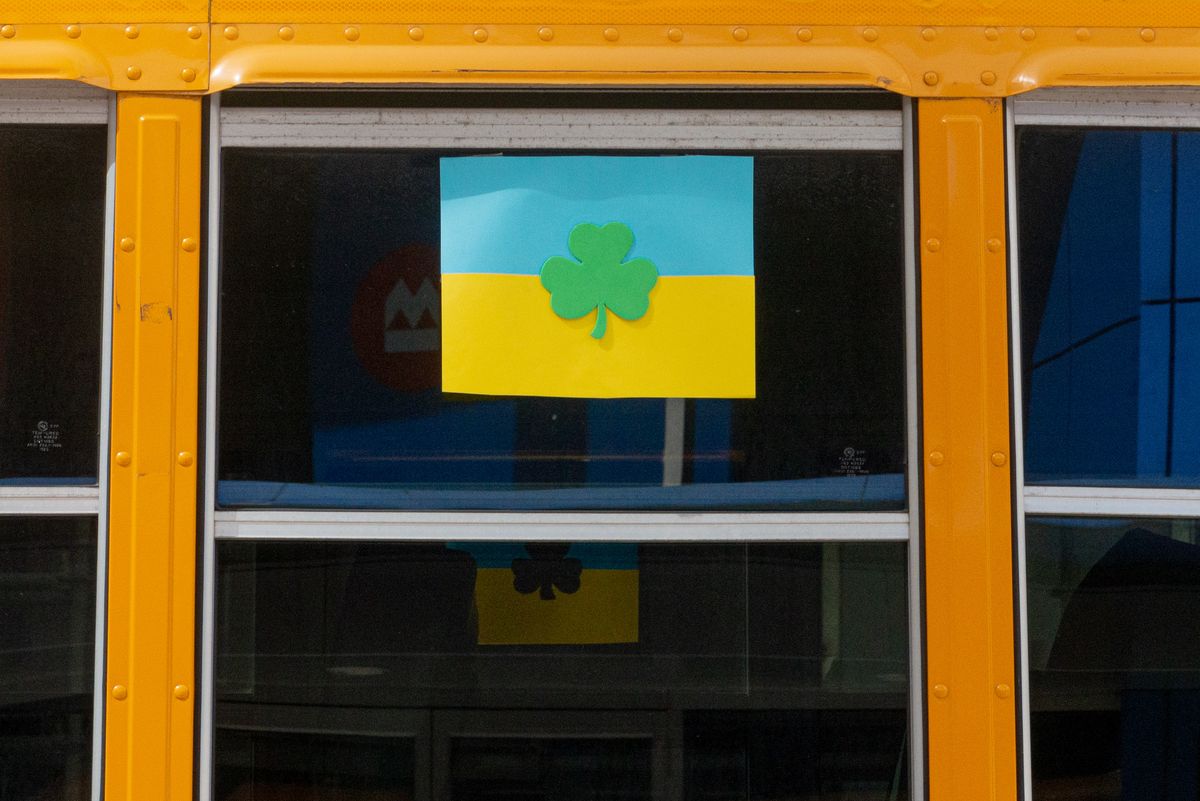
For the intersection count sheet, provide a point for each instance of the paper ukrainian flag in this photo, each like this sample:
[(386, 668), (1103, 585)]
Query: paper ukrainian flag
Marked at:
[(555, 593), (598, 276)]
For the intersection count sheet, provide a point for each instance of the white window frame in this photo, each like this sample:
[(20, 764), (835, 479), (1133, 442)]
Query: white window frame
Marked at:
[(1148, 107), (889, 130), (68, 103)]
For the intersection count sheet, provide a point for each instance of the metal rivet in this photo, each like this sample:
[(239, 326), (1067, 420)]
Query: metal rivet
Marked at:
[(133, 73), (287, 33), (934, 244), (127, 244), (1147, 34), (188, 244), (987, 78), (351, 34), (870, 34), (416, 33), (8, 31), (124, 459), (119, 692), (741, 34), (182, 692), (1028, 34), (993, 245), (185, 458), (1083, 34), (73, 31), (937, 458), (929, 34), (545, 33), (999, 459), (195, 31), (231, 32), (1003, 690), (931, 78), (804, 35), (991, 34), (481, 35), (187, 74), (675, 35), (132, 31), (941, 690), (612, 34)]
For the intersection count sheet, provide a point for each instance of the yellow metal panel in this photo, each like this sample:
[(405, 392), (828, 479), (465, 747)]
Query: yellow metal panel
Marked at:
[(927, 60), (152, 518), (590, 55), (687, 12), (968, 521), (172, 58), (84, 11), (922, 48), (921, 61)]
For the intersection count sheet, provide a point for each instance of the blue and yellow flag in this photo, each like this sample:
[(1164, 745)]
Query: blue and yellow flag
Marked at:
[(598, 276), (555, 593)]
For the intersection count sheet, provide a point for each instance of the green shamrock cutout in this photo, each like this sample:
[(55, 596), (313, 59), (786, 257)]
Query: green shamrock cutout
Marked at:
[(599, 280)]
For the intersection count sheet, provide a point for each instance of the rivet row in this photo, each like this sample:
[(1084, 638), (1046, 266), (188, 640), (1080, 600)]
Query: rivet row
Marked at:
[(74, 31), (416, 33)]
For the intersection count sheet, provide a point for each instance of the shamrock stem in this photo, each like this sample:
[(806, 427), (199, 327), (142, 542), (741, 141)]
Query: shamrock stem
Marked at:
[(601, 323)]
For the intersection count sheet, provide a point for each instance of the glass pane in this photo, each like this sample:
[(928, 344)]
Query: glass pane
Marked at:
[(770, 670), (613, 768), (1114, 658), (276, 766), (52, 185), (317, 244), (47, 656), (1110, 305)]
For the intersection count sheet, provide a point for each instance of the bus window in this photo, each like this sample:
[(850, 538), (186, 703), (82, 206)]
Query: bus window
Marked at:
[(47, 659), (330, 384), (1114, 656), (635, 670), (461, 596), (54, 159), (1110, 373), (52, 210), (1110, 302)]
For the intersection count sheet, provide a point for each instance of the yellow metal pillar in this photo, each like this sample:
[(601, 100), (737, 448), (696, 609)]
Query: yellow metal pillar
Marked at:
[(152, 519), (968, 519)]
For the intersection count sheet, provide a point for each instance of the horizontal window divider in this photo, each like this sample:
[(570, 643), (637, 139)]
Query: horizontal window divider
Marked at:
[(1117, 502), (598, 128), (247, 716), (49, 500), (1110, 107), (529, 526)]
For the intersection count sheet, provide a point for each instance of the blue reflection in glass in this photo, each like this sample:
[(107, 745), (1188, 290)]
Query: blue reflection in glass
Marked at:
[(1112, 329)]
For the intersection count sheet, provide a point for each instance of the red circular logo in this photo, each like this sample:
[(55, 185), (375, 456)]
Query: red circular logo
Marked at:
[(396, 319)]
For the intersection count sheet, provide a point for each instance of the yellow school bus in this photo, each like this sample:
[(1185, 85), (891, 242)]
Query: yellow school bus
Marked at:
[(323, 476)]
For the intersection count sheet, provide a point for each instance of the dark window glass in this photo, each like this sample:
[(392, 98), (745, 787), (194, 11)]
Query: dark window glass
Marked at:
[(1114, 650), (1110, 305), (616, 768), (47, 656), (262, 765), (52, 214), (772, 671), (319, 406)]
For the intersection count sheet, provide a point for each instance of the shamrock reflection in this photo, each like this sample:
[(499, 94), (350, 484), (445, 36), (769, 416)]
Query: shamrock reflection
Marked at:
[(547, 568)]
